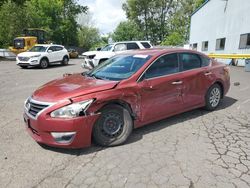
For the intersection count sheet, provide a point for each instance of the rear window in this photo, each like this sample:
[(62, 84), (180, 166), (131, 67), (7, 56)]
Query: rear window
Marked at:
[(190, 61), (146, 45), (205, 61)]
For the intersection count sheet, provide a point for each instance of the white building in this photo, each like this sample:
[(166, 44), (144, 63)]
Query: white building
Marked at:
[(221, 27)]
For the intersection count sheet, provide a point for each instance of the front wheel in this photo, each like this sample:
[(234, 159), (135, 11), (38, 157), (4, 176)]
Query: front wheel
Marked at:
[(44, 63), (213, 97), (101, 61), (113, 126)]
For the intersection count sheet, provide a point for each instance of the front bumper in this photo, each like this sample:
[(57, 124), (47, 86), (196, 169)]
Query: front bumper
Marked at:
[(42, 129), (89, 63), (30, 62)]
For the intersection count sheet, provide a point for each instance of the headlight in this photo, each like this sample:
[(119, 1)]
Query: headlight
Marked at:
[(35, 56), (73, 110)]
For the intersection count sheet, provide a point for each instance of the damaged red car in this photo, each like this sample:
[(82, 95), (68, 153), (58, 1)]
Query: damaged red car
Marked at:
[(125, 92)]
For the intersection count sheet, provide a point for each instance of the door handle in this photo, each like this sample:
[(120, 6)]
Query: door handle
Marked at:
[(207, 73), (177, 83)]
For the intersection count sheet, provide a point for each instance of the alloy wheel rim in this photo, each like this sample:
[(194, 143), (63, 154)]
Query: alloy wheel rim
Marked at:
[(44, 64), (65, 61), (214, 98)]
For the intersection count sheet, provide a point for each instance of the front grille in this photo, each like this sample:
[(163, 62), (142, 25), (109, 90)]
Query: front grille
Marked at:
[(34, 107), (23, 58)]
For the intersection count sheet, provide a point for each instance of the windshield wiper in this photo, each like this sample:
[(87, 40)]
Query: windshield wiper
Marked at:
[(94, 76), (97, 77)]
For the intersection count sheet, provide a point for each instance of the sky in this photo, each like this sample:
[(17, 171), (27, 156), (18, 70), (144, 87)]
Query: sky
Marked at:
[(106, 14)]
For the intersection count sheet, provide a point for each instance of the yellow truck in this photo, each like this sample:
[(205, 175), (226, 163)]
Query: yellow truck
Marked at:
[(32, 36)]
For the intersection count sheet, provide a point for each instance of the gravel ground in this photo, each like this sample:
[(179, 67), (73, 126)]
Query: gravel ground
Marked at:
[(195, 149)]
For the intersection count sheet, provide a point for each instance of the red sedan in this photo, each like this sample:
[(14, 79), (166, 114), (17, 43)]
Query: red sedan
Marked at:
[(125, 92)]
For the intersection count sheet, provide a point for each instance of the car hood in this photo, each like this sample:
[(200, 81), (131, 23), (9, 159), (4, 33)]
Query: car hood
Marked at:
[(104, 54), (71, 86), (99, 54), (89, 53), (29, 54)]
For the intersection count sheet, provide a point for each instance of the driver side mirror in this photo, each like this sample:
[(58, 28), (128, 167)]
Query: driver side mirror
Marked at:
[(49, 51), (98, 49)]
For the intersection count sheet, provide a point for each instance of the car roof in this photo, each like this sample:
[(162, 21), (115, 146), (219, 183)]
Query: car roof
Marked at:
[(129, 42), (48, 45), (158, 51)]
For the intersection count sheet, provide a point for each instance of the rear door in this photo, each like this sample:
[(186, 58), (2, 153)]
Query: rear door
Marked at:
[(196, 79), (58, 53), (161, 88)]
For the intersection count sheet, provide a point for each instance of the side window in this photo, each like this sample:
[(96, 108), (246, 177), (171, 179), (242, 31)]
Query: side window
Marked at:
[(165, 65), (190, 61), (132, 46), (52, 48), (146, 45), (120, 47), (205, 61), (58, 48)]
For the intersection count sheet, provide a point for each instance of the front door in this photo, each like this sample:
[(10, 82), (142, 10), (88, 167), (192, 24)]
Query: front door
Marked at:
[(161, 89), (52, 54)]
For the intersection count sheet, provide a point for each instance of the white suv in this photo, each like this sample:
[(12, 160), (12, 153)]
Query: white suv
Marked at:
[(94, 58), (43, 55)]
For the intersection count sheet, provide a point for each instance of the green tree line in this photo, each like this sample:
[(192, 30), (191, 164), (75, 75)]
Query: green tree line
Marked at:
[(165, 22), (57, 17)]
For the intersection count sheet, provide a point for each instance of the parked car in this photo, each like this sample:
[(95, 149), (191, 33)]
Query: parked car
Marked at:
[(128, 91), (43, 55), (73, 53), (94, 58)]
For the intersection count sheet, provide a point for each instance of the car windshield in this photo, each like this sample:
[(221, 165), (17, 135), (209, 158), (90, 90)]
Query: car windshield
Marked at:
[(119, 67), (107, 48), (38, 49)]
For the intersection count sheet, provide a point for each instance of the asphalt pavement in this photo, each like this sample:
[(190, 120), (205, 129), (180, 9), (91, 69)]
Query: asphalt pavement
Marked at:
[(197, 149)]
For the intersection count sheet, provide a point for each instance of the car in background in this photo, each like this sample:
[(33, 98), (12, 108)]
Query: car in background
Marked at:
[(94, 58), (43, 55), (73, 53), (127, 91)]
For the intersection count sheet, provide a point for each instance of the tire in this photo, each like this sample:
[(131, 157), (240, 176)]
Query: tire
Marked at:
[(213, 97), (65, 60), (44, 63), (101, 61), (113, 127)]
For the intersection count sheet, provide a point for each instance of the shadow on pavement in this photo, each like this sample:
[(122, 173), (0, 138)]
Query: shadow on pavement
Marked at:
[(156, 126), (50, 67)]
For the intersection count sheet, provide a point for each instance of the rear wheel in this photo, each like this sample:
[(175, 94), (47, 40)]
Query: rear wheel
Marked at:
[(65, 60), (44, 63), (213, 97), (113, 126)]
